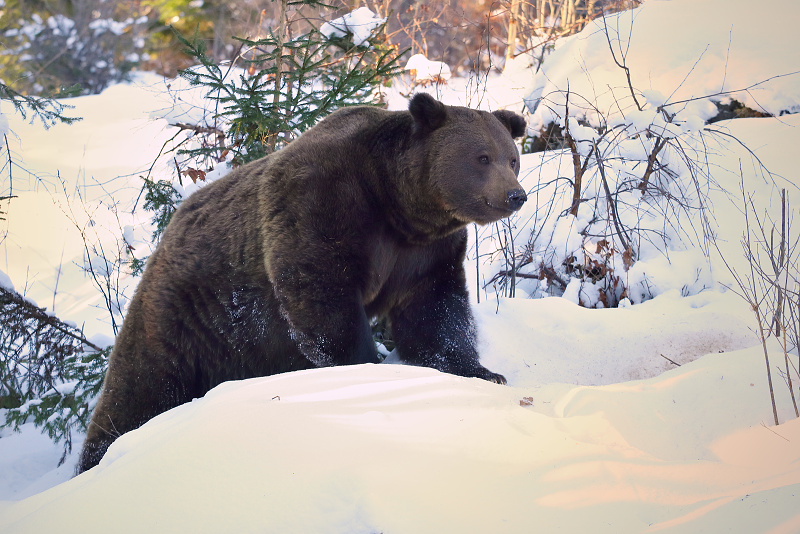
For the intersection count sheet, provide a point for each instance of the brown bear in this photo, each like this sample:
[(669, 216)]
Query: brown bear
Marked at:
[(280, 265)]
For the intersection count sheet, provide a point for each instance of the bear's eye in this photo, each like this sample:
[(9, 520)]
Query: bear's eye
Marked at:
[(483, 159), (513, 163)]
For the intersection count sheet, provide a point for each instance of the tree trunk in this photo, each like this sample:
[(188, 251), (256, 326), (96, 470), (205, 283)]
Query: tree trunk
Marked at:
[(511, 47), (281, 38)]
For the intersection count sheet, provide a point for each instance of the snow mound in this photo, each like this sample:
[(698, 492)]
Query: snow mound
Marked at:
[(398, 449), (552, 340), (719, 49)]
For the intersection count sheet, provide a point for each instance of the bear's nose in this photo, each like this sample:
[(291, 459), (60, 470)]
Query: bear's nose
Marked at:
[(516, 198)]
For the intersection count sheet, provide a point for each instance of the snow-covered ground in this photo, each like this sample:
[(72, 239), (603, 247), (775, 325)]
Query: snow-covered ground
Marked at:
[(599, 430), (388, 448)]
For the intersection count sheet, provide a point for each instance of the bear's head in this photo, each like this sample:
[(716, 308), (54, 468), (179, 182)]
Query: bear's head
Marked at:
[(471, 158)]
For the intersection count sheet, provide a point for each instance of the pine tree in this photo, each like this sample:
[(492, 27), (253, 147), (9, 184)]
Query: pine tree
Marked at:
[(49, 372), (282, 85), (285, 84)]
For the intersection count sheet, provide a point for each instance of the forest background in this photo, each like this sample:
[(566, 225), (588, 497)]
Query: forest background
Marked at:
[(53, 44)]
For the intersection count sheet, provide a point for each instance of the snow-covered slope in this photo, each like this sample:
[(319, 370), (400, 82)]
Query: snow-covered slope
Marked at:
[(400, 449), (685, 53)]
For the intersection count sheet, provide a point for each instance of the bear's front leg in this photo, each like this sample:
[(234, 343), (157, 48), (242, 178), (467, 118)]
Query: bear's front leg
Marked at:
[(327, 321), (434, 327)]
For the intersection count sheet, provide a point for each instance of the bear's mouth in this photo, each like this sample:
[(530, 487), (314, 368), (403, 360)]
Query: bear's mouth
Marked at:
[(481, 212), (502, 209), (482, 216)]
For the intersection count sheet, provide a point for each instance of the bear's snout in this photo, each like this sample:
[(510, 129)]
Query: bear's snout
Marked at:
[(516, 198)]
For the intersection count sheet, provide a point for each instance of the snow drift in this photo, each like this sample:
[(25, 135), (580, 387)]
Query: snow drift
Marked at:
[(398, 449)]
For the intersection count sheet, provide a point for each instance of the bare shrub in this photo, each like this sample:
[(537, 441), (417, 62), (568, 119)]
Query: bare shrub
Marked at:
[(630, 175), (771, 286)]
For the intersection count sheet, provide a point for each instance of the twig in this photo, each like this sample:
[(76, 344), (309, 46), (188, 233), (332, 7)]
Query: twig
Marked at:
[(621, 65), (519, 275), (673, 362), (754, 298), (576, 162), (783, 267), (199, 129), (733, 91), (10, 166), (477, 264), (660, 143), (623, 235), (773, 431)]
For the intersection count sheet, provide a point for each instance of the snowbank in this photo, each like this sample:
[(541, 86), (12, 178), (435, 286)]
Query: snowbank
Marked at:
[(552, 340), (396, 449), (687, 52)]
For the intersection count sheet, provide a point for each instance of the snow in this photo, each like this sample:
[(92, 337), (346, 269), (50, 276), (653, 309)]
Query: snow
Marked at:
[(424, 70), (3, 125), (5, 281), (360, 23), (68, 195), (28, 464), (387, 448), (676, 51), (651, 417)]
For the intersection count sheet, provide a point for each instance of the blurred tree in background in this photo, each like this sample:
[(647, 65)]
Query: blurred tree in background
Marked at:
[(216, 22), (46, 45)]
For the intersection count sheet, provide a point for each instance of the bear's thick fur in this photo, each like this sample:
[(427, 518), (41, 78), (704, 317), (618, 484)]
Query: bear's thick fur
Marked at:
[(279, 266)]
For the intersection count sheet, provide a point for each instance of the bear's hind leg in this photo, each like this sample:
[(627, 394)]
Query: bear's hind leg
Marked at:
[(133, 393)]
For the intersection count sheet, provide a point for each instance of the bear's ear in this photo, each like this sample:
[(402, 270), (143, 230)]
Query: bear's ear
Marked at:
[(428, 112), (515, 123)]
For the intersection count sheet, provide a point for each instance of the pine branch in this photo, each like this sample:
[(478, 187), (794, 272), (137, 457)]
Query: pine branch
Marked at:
[(12, 304), (48, 110)]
